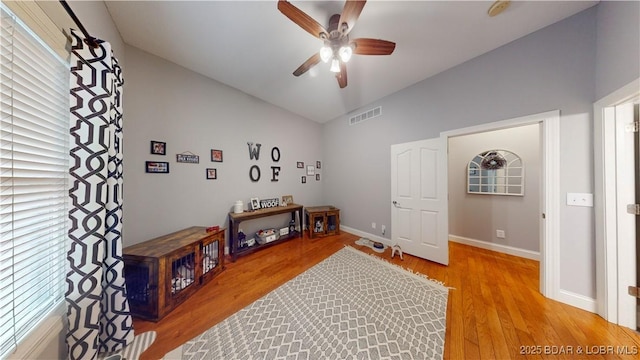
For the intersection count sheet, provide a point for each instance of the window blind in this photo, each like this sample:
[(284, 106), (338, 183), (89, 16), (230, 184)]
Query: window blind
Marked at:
[(34, 165)]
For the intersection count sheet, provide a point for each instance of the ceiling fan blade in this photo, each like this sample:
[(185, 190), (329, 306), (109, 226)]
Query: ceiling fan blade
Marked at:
[(365, 46), (342, 76), (302, 19), (311, 62), (350, 13)]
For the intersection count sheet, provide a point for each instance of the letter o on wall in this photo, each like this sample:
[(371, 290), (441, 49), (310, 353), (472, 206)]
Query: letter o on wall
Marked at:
[(274, 151), (252, 170)]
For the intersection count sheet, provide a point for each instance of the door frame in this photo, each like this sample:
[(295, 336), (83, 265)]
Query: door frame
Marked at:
[(608, 249), (549, 194)]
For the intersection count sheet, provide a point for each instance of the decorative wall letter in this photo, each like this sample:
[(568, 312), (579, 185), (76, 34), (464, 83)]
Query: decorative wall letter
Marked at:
[(275, 171), (275, 151), (254, 152), (251, 173)]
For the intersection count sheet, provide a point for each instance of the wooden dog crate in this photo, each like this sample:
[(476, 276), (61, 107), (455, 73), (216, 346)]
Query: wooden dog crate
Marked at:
[(163, 272), (322, 221)]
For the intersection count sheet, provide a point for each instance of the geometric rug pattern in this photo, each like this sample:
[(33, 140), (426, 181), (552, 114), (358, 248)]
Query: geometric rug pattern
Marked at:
[(349, 306)]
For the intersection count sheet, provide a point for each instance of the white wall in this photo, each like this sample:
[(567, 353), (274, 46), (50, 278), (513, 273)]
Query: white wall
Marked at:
[(168, 103), (550, 69), (478, 216)]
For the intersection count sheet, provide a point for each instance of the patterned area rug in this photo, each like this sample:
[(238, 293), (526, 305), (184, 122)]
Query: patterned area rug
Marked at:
[(349, 306)]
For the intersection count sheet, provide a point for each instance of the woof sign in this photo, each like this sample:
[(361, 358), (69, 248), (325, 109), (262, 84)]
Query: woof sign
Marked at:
[(254, 154)]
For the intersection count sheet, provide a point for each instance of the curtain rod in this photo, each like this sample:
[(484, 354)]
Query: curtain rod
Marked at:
[(89, 40)]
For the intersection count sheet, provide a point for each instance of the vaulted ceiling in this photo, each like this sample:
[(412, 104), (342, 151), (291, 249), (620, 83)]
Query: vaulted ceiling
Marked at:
[(253, 47)]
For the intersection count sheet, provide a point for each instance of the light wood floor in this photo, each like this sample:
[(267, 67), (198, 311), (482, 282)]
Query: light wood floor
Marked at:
[(495, 310)]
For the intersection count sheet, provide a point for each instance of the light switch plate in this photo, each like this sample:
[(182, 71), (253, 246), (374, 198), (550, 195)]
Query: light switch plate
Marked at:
[(580, 199)]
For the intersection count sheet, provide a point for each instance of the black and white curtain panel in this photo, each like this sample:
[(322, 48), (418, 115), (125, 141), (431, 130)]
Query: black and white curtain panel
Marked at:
[(97, 307)]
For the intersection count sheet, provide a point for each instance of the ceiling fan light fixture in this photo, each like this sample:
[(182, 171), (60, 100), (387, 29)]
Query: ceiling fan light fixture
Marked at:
[(345, 53), (326, 53), (335, 65)]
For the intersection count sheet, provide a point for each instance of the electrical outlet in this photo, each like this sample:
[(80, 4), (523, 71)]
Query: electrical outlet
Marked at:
[(384, 229), (500, 234), (373, 225)]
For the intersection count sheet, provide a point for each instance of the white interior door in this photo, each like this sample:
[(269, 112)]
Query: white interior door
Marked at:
[(419, 217)]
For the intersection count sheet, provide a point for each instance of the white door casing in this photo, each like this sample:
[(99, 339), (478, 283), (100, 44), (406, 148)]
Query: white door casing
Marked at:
[(419, 209), (613, 259), (625, 167)]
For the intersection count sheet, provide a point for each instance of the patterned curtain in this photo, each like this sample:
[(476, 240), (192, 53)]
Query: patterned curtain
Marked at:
[(97, 307)]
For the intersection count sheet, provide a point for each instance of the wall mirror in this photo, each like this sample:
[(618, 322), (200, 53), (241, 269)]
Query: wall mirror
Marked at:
[(496, 172)]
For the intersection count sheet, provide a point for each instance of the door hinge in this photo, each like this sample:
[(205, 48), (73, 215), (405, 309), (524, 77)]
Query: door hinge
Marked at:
[(633, 209), (633, 127), (634, 291)]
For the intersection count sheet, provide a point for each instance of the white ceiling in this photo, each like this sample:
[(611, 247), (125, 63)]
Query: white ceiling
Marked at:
[(251, 46)]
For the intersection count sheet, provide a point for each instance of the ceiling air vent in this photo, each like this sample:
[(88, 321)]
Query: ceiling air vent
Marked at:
[(375, 112)]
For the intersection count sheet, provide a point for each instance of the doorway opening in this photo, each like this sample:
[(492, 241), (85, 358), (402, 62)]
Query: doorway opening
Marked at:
[(549, 199), (499, 209)]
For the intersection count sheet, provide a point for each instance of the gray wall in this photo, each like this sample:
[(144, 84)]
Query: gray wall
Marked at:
[(478, 216), (553, 68), (618, 52), (192, 113)]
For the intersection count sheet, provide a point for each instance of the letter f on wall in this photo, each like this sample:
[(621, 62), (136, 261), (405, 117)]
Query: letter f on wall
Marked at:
[(254, 152)]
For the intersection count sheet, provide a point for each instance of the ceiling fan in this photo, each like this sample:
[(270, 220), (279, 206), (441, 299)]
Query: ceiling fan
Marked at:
[(337, 47)]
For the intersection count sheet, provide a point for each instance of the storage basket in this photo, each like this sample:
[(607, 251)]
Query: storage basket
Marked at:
[(266, 236)]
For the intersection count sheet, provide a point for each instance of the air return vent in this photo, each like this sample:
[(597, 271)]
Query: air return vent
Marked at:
[(375, 112)]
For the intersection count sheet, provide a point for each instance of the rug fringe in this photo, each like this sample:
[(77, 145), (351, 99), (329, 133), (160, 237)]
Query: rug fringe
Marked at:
[(411, 271)]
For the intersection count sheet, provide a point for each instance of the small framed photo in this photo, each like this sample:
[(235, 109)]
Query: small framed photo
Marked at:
[(216, 155), (317, 177), (300, 165), (311, 170), (286, 200), (157, 167), (158, 148), (318, 165), (212, 174), (304, 179), (255, 204)]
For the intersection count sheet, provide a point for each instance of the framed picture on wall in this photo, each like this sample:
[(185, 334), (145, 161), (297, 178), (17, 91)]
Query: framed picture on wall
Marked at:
[(158, 148), (216, 155), (212, 174), (157, 167), (304, 179), (311, 170), (300, 165), (318, 165), (317, 177)]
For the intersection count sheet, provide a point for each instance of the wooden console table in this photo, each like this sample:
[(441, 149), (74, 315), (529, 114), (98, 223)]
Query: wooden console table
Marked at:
[(235, 219), (323, 221)]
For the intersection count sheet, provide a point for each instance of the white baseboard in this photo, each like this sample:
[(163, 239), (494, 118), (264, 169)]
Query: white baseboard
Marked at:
[(365, 235), (527, 254), (580, 301)]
